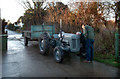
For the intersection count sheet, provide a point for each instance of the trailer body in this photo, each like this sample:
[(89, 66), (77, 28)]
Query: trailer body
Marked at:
[(37, 30)]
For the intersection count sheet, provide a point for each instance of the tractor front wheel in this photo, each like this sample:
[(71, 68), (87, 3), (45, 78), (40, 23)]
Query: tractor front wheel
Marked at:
[(58, 54)]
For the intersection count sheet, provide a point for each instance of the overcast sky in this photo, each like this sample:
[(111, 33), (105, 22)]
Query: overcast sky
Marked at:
[(12, 10)]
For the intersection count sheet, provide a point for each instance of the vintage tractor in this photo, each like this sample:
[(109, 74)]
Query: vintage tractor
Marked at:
[(62, 42)]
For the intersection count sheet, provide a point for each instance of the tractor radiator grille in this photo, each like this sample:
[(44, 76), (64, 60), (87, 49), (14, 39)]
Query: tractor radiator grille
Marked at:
[(73, 43)]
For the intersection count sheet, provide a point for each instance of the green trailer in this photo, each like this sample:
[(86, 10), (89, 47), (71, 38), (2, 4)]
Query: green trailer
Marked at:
[(36, 31)]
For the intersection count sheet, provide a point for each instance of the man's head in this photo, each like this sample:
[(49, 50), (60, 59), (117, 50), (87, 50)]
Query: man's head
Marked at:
[(83, 25)]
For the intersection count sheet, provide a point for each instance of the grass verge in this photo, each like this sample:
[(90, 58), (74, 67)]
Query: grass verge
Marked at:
[(106, 59)]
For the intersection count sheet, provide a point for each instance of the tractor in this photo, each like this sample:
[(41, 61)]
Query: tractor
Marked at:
[(62, 43)]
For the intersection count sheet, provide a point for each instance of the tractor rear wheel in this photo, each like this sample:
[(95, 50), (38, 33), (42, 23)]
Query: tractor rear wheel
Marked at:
[(83, 52), (44, 44)]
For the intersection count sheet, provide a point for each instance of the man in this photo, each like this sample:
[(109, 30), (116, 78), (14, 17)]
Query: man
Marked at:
[(3, 26), (88, 32)]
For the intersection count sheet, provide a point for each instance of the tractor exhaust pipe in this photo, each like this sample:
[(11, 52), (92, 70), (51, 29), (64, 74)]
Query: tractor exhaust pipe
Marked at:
[(60, 29)]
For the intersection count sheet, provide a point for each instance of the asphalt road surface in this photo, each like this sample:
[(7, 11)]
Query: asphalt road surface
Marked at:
[(21, 61)]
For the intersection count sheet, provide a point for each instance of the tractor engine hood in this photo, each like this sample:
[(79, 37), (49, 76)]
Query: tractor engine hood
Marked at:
[(73, 40)]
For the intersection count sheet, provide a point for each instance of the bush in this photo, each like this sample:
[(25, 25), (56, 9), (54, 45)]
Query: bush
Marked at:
[(105, 41), (12, 27)]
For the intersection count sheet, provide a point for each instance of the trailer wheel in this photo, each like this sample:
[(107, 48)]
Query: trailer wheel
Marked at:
[(58, 54), (44, 44), (25, 41)]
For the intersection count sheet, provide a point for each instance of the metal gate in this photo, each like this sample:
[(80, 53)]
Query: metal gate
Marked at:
[(117, 49)]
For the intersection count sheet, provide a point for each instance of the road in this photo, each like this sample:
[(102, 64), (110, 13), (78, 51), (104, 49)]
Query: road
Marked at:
[(21, 61)]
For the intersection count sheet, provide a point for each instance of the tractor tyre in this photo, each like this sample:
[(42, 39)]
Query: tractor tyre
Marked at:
[(58, 54), (44, 44), (82, 52)]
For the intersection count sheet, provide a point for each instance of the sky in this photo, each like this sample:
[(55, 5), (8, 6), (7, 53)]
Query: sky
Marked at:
[(11, 9)]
